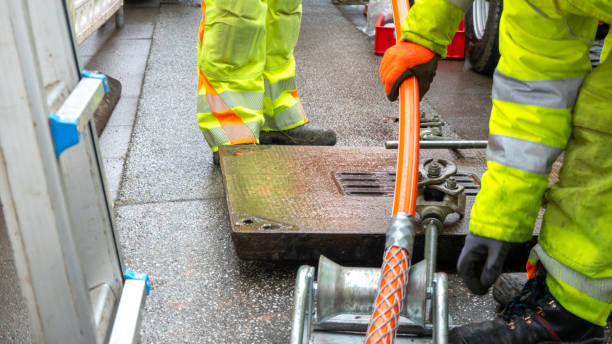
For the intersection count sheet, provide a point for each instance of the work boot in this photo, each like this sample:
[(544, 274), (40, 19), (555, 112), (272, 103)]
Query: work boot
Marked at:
[(532, 316), (304, 135), (215, 155), (507, 287)]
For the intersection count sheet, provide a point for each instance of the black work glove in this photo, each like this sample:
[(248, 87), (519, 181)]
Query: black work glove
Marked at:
[(481, 262)]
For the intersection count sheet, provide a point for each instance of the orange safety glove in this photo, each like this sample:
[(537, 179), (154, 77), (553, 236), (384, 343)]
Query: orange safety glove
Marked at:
[(404, 60)]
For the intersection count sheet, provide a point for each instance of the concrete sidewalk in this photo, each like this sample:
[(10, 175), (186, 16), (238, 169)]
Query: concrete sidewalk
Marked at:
[(122, 54)]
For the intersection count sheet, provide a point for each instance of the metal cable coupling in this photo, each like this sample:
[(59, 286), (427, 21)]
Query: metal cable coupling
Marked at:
[(401, 232)]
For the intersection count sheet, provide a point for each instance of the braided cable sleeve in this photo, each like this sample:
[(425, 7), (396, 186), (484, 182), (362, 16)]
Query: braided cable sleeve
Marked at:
[(388, 304)]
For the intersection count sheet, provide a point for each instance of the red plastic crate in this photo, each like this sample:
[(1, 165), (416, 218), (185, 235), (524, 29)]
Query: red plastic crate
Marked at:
[(384, 39), (456, 50)]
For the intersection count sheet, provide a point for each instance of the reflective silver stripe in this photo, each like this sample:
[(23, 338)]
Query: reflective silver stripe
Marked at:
[(597, 288), (462, 4), (275, 90), (540, 12), (237, 132), (524, 155), (554, 94), (224, 135), (203, 104), (215, 103), (249, 100), (255, 128), (215, 136), (286, 118)]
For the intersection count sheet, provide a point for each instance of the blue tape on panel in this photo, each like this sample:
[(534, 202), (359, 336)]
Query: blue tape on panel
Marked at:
[(129, 274), (95, 75), (65, 132)]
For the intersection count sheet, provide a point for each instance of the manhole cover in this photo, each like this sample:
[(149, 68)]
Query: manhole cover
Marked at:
[(285, 203), (382, 184)]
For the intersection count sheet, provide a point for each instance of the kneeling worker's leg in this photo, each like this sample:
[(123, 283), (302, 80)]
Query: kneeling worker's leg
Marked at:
[(536, 85), (231, 58), (576, 236)]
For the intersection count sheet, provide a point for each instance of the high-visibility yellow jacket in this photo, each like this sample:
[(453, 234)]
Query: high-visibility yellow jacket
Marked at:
[(544, 46)]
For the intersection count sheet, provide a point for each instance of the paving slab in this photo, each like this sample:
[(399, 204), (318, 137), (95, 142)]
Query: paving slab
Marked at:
[(114, 169), (92, 45), (139, 21), (142, 31), (125, 60), (124, 112), (114, 141), (115, 56)]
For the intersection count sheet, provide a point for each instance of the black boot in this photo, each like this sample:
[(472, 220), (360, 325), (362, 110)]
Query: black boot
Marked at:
[(304, 135), (532, 316), (507, 287)]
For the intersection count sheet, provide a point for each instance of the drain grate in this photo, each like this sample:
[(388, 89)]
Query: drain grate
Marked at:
[(382, 184), (356, 183), (470, 182)]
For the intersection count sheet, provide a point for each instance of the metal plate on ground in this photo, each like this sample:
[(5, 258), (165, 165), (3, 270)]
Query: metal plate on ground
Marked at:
[(290, 203)]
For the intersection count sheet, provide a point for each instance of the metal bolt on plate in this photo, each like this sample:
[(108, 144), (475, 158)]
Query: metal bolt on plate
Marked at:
[(434, 170)]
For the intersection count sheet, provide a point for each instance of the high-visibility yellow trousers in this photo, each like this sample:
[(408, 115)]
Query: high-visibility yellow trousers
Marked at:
[(246, 69), (575, 244)]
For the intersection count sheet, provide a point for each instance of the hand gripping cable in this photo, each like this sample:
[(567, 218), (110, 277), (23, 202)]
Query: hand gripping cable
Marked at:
[(400, 235)]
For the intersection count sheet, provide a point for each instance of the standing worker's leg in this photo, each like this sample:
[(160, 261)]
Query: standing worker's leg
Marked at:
[(282, 106), (283, 112), (231, 59)]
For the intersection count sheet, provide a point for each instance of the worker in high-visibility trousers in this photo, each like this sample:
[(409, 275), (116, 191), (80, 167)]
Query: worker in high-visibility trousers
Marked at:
[(247, 92), (546, 99)]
